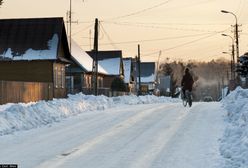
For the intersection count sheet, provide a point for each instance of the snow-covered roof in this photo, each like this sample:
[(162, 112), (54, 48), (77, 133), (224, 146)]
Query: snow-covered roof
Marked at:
[(127, 69), (32, 39), (30, 54), (147, 72), (83, 59), (112, 65), (147, 79)]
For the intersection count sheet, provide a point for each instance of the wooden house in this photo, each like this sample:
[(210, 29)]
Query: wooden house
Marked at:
[(80, 71), (112, 63), (147, 76), (33, 55)]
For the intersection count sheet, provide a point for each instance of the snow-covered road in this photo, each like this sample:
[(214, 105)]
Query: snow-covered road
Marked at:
[(129, 136)]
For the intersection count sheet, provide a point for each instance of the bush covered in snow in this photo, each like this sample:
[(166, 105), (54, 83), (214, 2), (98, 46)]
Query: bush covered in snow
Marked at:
[(234, 144), (14, 117)]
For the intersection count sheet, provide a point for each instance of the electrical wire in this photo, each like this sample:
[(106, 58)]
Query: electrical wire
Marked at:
[(157, 23), (159, 5), (107, 35), (162, 27), (183, 44), (85, 28), (141, 11), (154, 40)]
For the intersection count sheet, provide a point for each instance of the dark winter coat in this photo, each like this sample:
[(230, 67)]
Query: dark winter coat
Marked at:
[(187, 82)]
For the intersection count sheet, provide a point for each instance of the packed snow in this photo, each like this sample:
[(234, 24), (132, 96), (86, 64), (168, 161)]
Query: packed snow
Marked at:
[(234, 146), (156, 135), (126, 131), (16, 117)]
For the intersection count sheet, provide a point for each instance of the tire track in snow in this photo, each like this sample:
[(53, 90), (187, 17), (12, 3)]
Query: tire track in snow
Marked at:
[(81, 149), (196, 142)]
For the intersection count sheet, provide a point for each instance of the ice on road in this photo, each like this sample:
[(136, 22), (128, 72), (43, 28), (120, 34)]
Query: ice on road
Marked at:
[(137, 136)]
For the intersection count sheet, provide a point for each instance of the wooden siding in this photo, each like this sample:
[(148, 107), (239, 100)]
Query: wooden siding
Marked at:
[(26, 71), (107, 81), (14, 92)]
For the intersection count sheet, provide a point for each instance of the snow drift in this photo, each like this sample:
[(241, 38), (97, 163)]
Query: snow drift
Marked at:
[(16, 117), (234, 144)]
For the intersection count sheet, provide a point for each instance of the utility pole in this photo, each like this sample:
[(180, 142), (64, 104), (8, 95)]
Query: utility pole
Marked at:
[(90, 38), (160, 52), (232, 57), (70, 24), (95, 60), (139, 90), (233, 64), (237, 40), (69, 21)]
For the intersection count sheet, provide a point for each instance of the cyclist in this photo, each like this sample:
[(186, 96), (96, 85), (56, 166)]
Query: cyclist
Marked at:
[(187, 82)]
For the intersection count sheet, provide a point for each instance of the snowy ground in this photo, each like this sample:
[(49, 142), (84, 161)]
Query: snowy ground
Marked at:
[(234, 146), (126, 132), (161, 133)]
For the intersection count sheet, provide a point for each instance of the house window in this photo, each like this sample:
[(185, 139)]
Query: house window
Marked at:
[(100, 82), (55, 74), (59, 77), (63, 77), (89, 82)]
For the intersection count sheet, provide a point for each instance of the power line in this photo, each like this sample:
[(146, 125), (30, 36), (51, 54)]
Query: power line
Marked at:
[(160, 23), (141, 11), (162, 27), (153, 40), (107, 35), (85, 28), (183, 44)]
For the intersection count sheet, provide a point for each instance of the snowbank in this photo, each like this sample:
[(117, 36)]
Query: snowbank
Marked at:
[(234, 144), (15, 117)]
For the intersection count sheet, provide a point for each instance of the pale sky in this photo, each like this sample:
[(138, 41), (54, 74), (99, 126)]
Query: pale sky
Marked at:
[(181, 29)]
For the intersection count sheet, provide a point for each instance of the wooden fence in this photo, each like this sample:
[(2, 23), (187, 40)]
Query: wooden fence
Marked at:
[(14, 92), (104, 91)]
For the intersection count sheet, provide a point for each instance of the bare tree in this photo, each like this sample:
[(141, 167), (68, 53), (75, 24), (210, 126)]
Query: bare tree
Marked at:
[(209, 77)]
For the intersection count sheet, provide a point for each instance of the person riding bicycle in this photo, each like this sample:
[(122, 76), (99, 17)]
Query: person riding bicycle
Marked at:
[(187, 82)]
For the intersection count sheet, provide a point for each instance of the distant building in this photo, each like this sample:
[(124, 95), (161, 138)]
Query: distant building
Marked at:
[(112, 63), (164, 84), (129, 74), (148, 76), (80, 71), (33, 55)]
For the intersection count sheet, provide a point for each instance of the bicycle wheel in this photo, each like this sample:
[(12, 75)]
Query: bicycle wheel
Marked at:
[(184, 102), (190, 102), (190, 99)]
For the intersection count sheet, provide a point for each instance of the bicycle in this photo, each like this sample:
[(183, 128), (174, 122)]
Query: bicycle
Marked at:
[(187, 98)]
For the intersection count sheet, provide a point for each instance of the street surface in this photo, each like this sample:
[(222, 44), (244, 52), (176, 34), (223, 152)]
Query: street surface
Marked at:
[(136, 136)]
